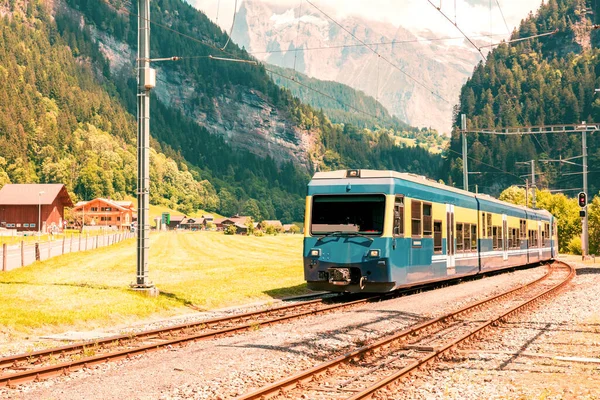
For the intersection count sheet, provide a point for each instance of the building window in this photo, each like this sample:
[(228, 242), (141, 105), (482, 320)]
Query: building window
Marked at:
[(399, 216), (105, 218), (416, 218), (437, 237), (32, 225), (25, 225), (94, 209), (427, 220), (118, 218), (105, 209)]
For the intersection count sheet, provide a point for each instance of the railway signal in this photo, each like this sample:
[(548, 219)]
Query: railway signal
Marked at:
[(582, 199)]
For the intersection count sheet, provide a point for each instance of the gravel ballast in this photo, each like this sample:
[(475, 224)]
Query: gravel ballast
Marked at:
[(230, 366)]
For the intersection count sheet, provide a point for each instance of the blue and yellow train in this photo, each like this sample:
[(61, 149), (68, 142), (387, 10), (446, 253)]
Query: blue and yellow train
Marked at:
[(376, 231)]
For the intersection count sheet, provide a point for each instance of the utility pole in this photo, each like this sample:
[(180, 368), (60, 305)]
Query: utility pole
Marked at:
[(463, 128), (532, 164), (533, 184), (146, 81), (584, 224)]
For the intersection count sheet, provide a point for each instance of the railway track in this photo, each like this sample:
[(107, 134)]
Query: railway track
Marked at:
[(52, 362), (374, 369), (57, 361)]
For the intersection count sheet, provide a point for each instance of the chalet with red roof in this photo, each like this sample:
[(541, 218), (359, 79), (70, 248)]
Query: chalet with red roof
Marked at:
[(26, 207), (105, 212)]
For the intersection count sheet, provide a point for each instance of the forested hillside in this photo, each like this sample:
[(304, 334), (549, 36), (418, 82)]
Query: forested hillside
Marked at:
[(548, 80), (67, 114)]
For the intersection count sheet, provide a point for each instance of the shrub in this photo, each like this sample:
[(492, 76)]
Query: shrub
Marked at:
[(230, 230), (258, 232), (574, 246), (294, 229)]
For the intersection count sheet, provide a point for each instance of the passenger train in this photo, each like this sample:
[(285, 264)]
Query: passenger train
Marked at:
[(377, 231)]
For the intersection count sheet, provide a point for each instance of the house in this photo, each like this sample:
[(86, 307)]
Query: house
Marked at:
[(25, 207), (287, 228), (208, 218), (175, 221), (192, 224), (275, 223), (105, 213), (236, 219)]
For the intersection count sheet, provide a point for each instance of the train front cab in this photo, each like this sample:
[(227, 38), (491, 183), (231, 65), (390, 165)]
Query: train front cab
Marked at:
[(347, 239)]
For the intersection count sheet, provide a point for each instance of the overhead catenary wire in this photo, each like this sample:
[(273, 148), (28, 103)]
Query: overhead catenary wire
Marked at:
[(242, 60), (409, 76), (502, 14), (456, 25), (392, 42), (232, 25)]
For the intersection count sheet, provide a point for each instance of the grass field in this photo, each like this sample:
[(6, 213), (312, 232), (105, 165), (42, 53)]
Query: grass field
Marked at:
[(192, 270)]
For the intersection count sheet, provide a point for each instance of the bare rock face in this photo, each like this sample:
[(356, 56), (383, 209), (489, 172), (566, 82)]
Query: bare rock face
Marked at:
[(278, 35), (241, 115)]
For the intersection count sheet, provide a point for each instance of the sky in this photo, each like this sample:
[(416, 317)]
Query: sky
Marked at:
[(472, 16)]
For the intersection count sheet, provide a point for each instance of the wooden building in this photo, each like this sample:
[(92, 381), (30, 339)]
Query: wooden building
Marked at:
[(25, 207), (105, 213)]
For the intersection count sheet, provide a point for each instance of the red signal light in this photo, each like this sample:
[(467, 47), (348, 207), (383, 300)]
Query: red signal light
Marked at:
[(582, 199)]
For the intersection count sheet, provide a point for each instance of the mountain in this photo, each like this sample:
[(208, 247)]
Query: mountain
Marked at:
[(547, 80), (225, 137), (280, 36)]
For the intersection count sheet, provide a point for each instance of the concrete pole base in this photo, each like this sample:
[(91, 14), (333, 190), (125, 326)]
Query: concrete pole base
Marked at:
[(148, 290)]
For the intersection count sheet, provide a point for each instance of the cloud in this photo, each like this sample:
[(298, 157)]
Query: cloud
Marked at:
[(472, 16)]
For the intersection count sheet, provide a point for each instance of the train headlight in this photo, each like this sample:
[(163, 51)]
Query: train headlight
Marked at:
[(373, 253), (315, 252)]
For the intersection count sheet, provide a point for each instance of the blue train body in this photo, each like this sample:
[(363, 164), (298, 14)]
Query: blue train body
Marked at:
[(376, 231)]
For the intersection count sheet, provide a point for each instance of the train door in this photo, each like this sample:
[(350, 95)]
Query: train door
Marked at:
[(504, 237), (540, 239), (450, 238)]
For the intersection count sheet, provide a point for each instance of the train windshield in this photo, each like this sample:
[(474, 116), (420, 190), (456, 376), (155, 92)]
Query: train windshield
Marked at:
[(362, 214)]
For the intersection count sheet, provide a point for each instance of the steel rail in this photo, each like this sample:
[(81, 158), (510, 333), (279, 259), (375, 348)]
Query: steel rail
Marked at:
[(280, 387), (370, 392), (60, 368)]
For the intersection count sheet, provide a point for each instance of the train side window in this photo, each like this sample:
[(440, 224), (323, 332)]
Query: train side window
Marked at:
[(495, 237), (546, 234), (523, 227), (437, 236), (459, 237), (466, 237), (474, 237), (427, 220), (399, 216), (489, 225), (416, 218)]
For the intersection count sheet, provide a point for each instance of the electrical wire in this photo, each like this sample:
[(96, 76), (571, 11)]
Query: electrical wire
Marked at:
[(486, 164), (456, 25), (248, 61), (393, 42), (232, 25), (383, 58), (504, 19)]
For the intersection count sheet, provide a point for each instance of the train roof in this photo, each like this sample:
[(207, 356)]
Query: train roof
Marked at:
[(419, 179)]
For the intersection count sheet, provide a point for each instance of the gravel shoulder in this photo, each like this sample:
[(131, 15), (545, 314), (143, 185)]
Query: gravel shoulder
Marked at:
[(551, 352), (227, 367)]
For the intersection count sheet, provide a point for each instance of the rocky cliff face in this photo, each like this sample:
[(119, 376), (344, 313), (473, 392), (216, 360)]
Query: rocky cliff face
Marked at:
[(241, 115), (274, 33)]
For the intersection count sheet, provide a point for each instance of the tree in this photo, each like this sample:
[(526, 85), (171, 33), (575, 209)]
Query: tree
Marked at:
[(230, 230), (294, 229), (250, 225)]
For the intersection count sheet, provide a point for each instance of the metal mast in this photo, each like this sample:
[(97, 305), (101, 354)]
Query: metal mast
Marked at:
[(584, 224), (463, 128), (146, 81)]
